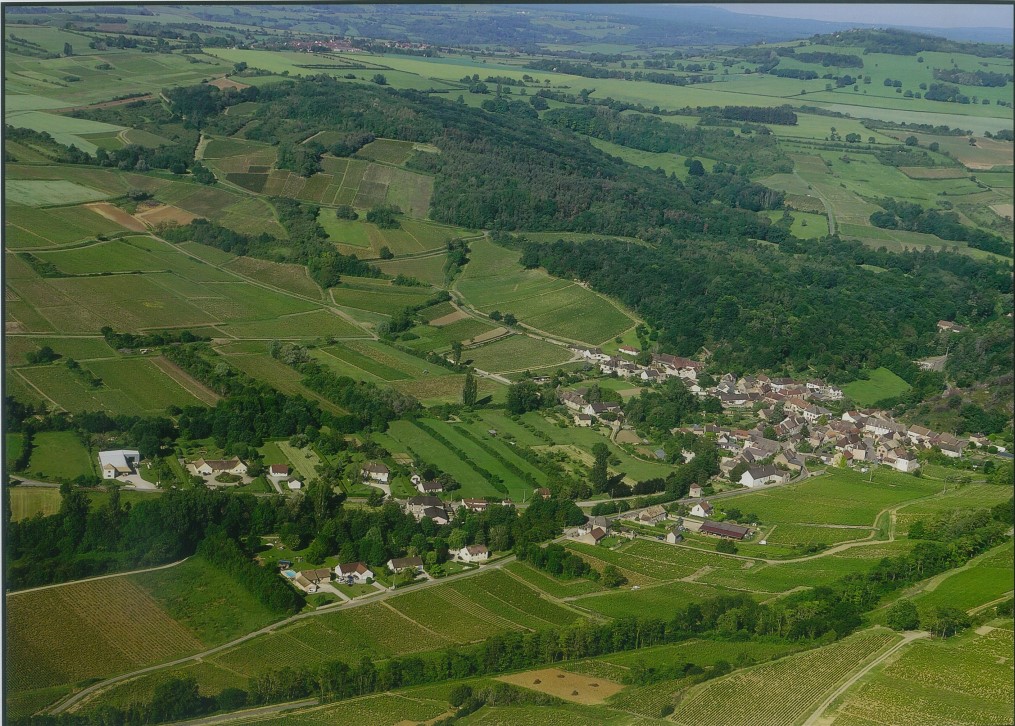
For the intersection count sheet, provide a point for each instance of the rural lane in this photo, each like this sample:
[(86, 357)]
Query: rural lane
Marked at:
[(99, 577), (815, 718), (249, 713), (62, 706)]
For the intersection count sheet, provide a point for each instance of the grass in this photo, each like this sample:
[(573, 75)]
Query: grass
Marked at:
[(377, 296), (516, 352), (805, 225), (31, 227), (59, 455), (42, 193), (28, 501), (882, 384)]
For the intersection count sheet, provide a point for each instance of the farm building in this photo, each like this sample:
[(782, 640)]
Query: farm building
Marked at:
[(651, 515), (354, 573), (473, 553), (701, 509), (375, 471), (592, 537), (757, 476), (122, 462), (294, 485), (426, 487), (902, 460), (475, 505), (628, 350), (675, 535), (417, 505), (947, 326), (543, 492), (400, 564), (724, 529), (280, 471), (439, 515), (583, 420), (695, 491), (220, 466)]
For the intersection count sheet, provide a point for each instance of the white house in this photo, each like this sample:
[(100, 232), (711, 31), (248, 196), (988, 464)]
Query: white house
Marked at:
[(702, 509), (375, 471), (122, 462), (220, 466), (651, 515), (674, 536), (628, 350), (593, 537), (473, 553), (583, 420), (354, 573), (278, 471), (695, 491), (902, 460), (757, 476), (294, 485)]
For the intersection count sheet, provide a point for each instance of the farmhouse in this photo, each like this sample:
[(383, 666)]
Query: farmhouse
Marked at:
[(675, 535), (419, 506), (724, 529), (543, 492), (695, 491), (702, 509), (475, 505), (439, 515), (583, 420), (294, 485), (674, 365), (400, 564), (426, 487), (947, 326), (571, 399), (473, 553), (220, 466), (122, 462), (375, 471), (310, 580), (280, 471), (902, 460), (628, 350), (354, 573), (757, 476), (651, 515), (592, 537)]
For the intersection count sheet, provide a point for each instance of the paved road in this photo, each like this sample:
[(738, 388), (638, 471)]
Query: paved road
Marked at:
[(815, 718), (62, 706), (100, 577), (249, 713)]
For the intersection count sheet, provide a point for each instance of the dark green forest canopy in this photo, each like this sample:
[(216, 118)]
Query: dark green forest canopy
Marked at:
[(502, 171), (758, 308)]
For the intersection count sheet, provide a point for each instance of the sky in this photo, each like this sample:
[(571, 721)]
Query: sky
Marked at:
[(925, 16)]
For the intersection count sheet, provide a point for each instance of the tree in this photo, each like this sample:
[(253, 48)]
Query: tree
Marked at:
[(459, 695), (68, 49), (495, 315), (726, 546), (903, 615), (695, 168), (379, 79), (510, 319), (912, 141), (345, 211), (599, 475), (612, 577), (522, 397), (469, 390), (386, 253), (456, 352), (946, 621)]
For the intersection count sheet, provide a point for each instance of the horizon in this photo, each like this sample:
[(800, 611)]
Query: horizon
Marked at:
[(930, 16)]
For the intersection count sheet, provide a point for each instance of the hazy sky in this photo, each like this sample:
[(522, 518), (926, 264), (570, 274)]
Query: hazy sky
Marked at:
[(925, 16)]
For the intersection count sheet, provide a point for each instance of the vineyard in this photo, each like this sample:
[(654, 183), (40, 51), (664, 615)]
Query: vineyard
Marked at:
[(783, 691), (381, 710), (965, 680), (89, 629)]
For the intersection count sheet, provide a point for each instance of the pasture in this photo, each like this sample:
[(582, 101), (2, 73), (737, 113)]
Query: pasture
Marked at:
[(805, 225), (882, 384), (28, 501), (516, 353), (59, 455), (793, 685), (493, 280), (42, 193)]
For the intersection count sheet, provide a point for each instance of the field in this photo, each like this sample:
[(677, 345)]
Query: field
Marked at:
[(59, 455), (493, 280), (515, 353), (29, 501), (42, 193), (882, 384), (805, 225), (30, 227), (563, 684), (965, 680), (377, 295), (792, 685), (986, 579)]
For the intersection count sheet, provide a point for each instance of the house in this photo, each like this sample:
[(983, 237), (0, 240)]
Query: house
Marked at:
[(674, 365), (647, 374), (757, 476), (278, 471), (593, 354), (651, 515), (473, 553), (122, 462), (949, 445), (375, 471), (702, 509), (220, 466), (595, 409), (920, 435), (427, 487), (354, 573), (583, 420), (417, 505), (400, 564), (947, 326), (902, 460), (294, 485), (592, 537), (475, 505), (695, 491), (724, 529), (628, 350), (675, 536), (439, 515), (311, 580), (592, 523), (571, 399), (543, 492)]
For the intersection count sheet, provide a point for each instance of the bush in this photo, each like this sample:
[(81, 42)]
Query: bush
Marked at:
[(459, 695), (346, 211), (726, 546), (903, 616)]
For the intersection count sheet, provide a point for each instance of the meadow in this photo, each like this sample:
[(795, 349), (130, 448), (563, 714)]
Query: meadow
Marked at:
[(29, 227), (882, 384), (60, 455), (516, 352)]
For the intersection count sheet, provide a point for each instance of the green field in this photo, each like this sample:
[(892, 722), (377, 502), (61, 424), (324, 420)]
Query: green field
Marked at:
[(59, 455), (493, 280), (805, 225), (376, 295), (27, 227), (882, 384), (28, 501), (45, 193), (516, 352)]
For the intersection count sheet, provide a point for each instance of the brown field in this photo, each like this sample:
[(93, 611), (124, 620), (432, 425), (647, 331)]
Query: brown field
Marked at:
[(166, 213), (487, 336), (1004, 210), (225, 83), (87, 630), (449, 318), (803, 203), (923, 172), (286, 276), (193, 386), (569, 686), (117, 215)]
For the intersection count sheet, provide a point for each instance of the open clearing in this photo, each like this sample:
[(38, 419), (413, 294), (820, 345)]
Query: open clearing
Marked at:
[(882, 384), (562, 684)]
